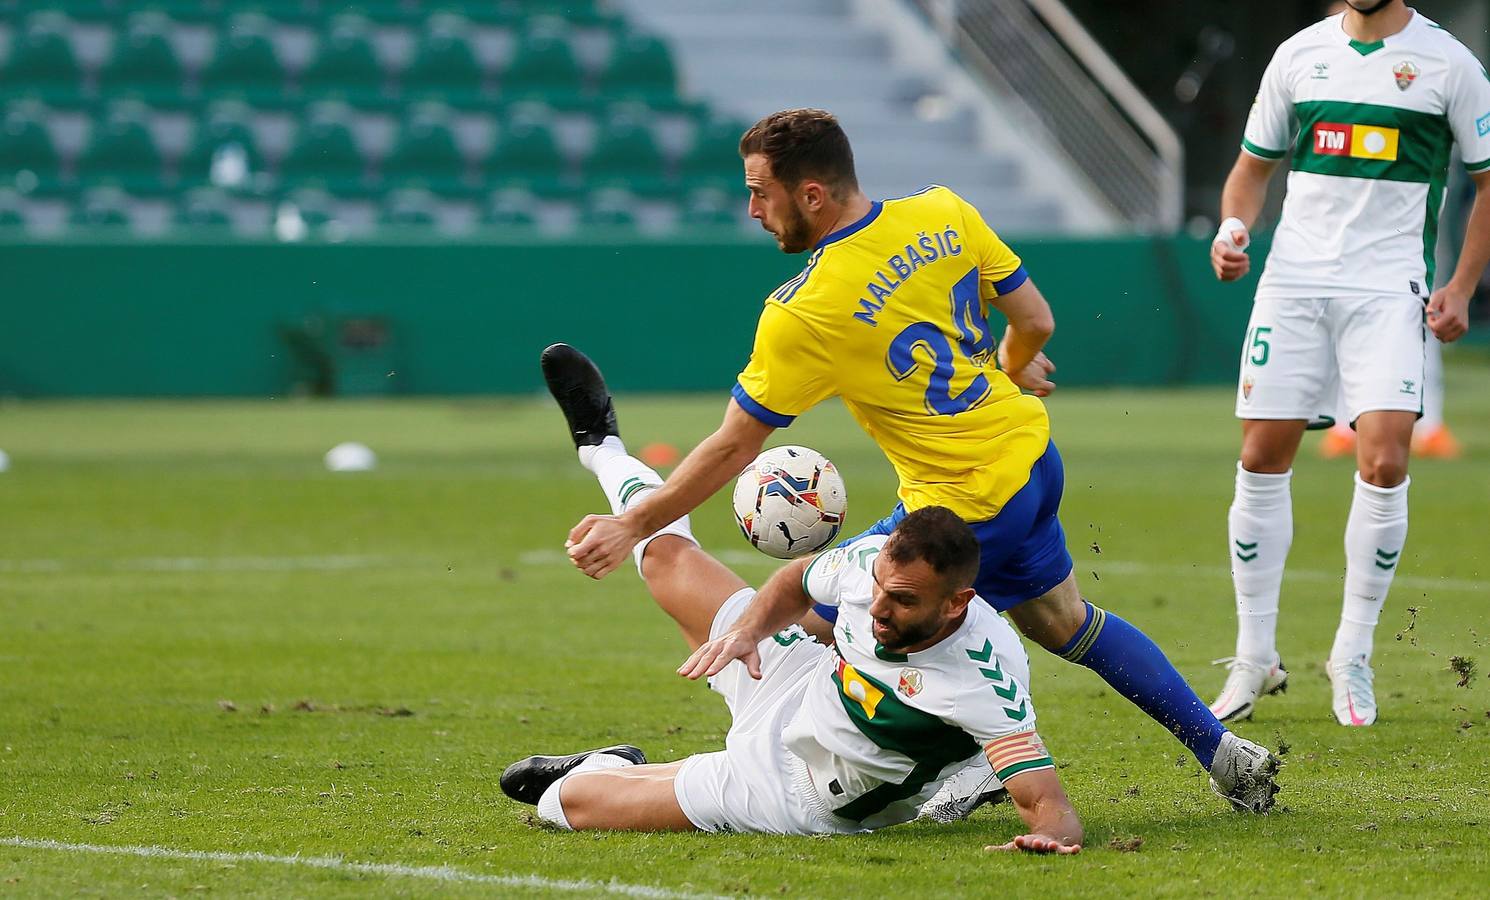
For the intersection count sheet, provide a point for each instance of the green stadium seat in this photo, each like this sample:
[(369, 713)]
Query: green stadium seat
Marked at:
[(244, 59), (325, 147), (426, 146), (525, 148), (41, 55), (409, 207), (639, 64), (345, 60), (443, 59), (25, 143), (610, 207), (624, 145), (143, 56), (714, 157), (102, 207), (227, 123), (122, 148), (511, 207), (205, 208), (542, 62), (712, 206)]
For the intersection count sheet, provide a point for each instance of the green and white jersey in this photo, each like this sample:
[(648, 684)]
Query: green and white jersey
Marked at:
[(880, 731), (1371, 127)]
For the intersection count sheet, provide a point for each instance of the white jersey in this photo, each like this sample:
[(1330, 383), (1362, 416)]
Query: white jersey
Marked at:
[(880, 731), (1371, 127)]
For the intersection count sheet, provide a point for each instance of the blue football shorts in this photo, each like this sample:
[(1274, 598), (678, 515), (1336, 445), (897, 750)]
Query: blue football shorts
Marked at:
[(1024, 546)]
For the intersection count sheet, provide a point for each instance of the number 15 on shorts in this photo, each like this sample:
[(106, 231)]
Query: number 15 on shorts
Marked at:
[(1258, 346)]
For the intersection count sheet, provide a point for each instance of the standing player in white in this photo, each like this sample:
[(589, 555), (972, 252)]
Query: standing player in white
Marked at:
[(1371, 102)]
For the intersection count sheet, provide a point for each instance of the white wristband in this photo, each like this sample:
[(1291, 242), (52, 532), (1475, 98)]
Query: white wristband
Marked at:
[(1223, 234)]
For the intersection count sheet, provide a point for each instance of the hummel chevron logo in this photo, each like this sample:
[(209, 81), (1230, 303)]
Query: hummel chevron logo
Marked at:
[(982, 655), (1385, 560), (1018, 714), (1246, 552), (1008, 692), (994, 674)]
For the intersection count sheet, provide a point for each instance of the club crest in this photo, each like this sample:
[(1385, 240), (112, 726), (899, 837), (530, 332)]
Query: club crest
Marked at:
[(910, 682), (1247, 384), (1405, 72)]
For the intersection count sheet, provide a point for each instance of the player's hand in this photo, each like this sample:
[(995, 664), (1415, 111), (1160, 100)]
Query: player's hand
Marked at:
[(1229, 262), (1035, 377), (600, 544), (1036, 843), (713, 656), (1448, 313)]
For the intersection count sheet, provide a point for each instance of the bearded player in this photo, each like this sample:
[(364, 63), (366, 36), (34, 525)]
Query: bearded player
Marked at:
[(1371, 102), (891, 315)]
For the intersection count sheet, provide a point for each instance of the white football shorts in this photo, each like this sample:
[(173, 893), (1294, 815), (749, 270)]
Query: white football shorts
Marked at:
[(755, 784), (1332, 357)]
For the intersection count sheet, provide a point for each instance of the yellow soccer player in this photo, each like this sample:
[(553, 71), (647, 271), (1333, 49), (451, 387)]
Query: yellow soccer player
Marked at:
[(890, 314)]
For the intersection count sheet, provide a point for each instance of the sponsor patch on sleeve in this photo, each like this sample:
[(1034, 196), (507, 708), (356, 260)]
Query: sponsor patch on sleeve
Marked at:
[(1482, 124)]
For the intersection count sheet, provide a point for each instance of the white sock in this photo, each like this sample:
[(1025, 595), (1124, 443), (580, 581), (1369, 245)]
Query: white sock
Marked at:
[(1432, 388), (626, 480), (608, 447), (1260, 527), (1374, 536), (551, 809)]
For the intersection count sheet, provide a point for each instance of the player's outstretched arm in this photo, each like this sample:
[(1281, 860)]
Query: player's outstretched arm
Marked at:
[(778, 604), (1448, 308), (1031, 323), (1047, 813), (599, 544), (1241, 203)]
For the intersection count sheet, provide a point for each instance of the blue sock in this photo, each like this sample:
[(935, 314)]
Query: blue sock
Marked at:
[(1138, 669)]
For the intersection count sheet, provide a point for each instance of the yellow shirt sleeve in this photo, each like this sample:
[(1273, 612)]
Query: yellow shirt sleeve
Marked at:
[(789, 370), (999, 269)]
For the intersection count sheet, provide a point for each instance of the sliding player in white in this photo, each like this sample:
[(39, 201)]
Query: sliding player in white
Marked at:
[(1371, 102)]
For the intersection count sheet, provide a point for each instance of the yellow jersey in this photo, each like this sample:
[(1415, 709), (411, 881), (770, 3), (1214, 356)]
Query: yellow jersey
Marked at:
[(889, 314)]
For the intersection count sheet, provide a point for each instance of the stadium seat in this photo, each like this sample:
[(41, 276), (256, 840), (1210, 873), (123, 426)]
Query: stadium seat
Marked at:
[(205, 207), (525, 148), (244, 59), (714, 158), (713, 206), (511, 207), (227, 124), (443, 60), (325, 147), (122, 148), (639, 63), (426, 146), (106, 206), (41, 55), (624, 145), (542, 62), (409, 207), (345, 60), (25, 143), (143, 56), (610, 207)]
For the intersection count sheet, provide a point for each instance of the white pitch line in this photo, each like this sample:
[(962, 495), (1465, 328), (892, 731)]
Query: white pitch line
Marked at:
[(197, 564), (336, 864), (1104, 567)]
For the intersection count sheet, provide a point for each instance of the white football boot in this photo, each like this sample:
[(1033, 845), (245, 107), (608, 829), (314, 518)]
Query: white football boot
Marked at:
[(1244, 773), (972, 787), (1355, 699), (1246, 682)]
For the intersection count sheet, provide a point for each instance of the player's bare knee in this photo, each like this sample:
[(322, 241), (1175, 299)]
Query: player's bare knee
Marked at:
[(1384, 469), (582, 797), (661, 558)]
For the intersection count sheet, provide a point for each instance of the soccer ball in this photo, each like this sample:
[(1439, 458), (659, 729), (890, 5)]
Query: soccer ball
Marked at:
[(790, 502)]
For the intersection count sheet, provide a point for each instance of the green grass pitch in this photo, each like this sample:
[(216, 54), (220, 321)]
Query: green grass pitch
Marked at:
[(209, 644)]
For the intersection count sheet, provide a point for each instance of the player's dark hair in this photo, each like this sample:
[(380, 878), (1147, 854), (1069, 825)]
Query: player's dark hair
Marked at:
[(802, 144), (936, 535)]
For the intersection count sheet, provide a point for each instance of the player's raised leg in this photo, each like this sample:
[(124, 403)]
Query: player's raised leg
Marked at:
[(1375, 534)]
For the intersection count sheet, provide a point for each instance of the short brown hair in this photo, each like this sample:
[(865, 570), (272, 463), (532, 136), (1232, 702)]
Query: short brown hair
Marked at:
[(938, 536), (801, 144)]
